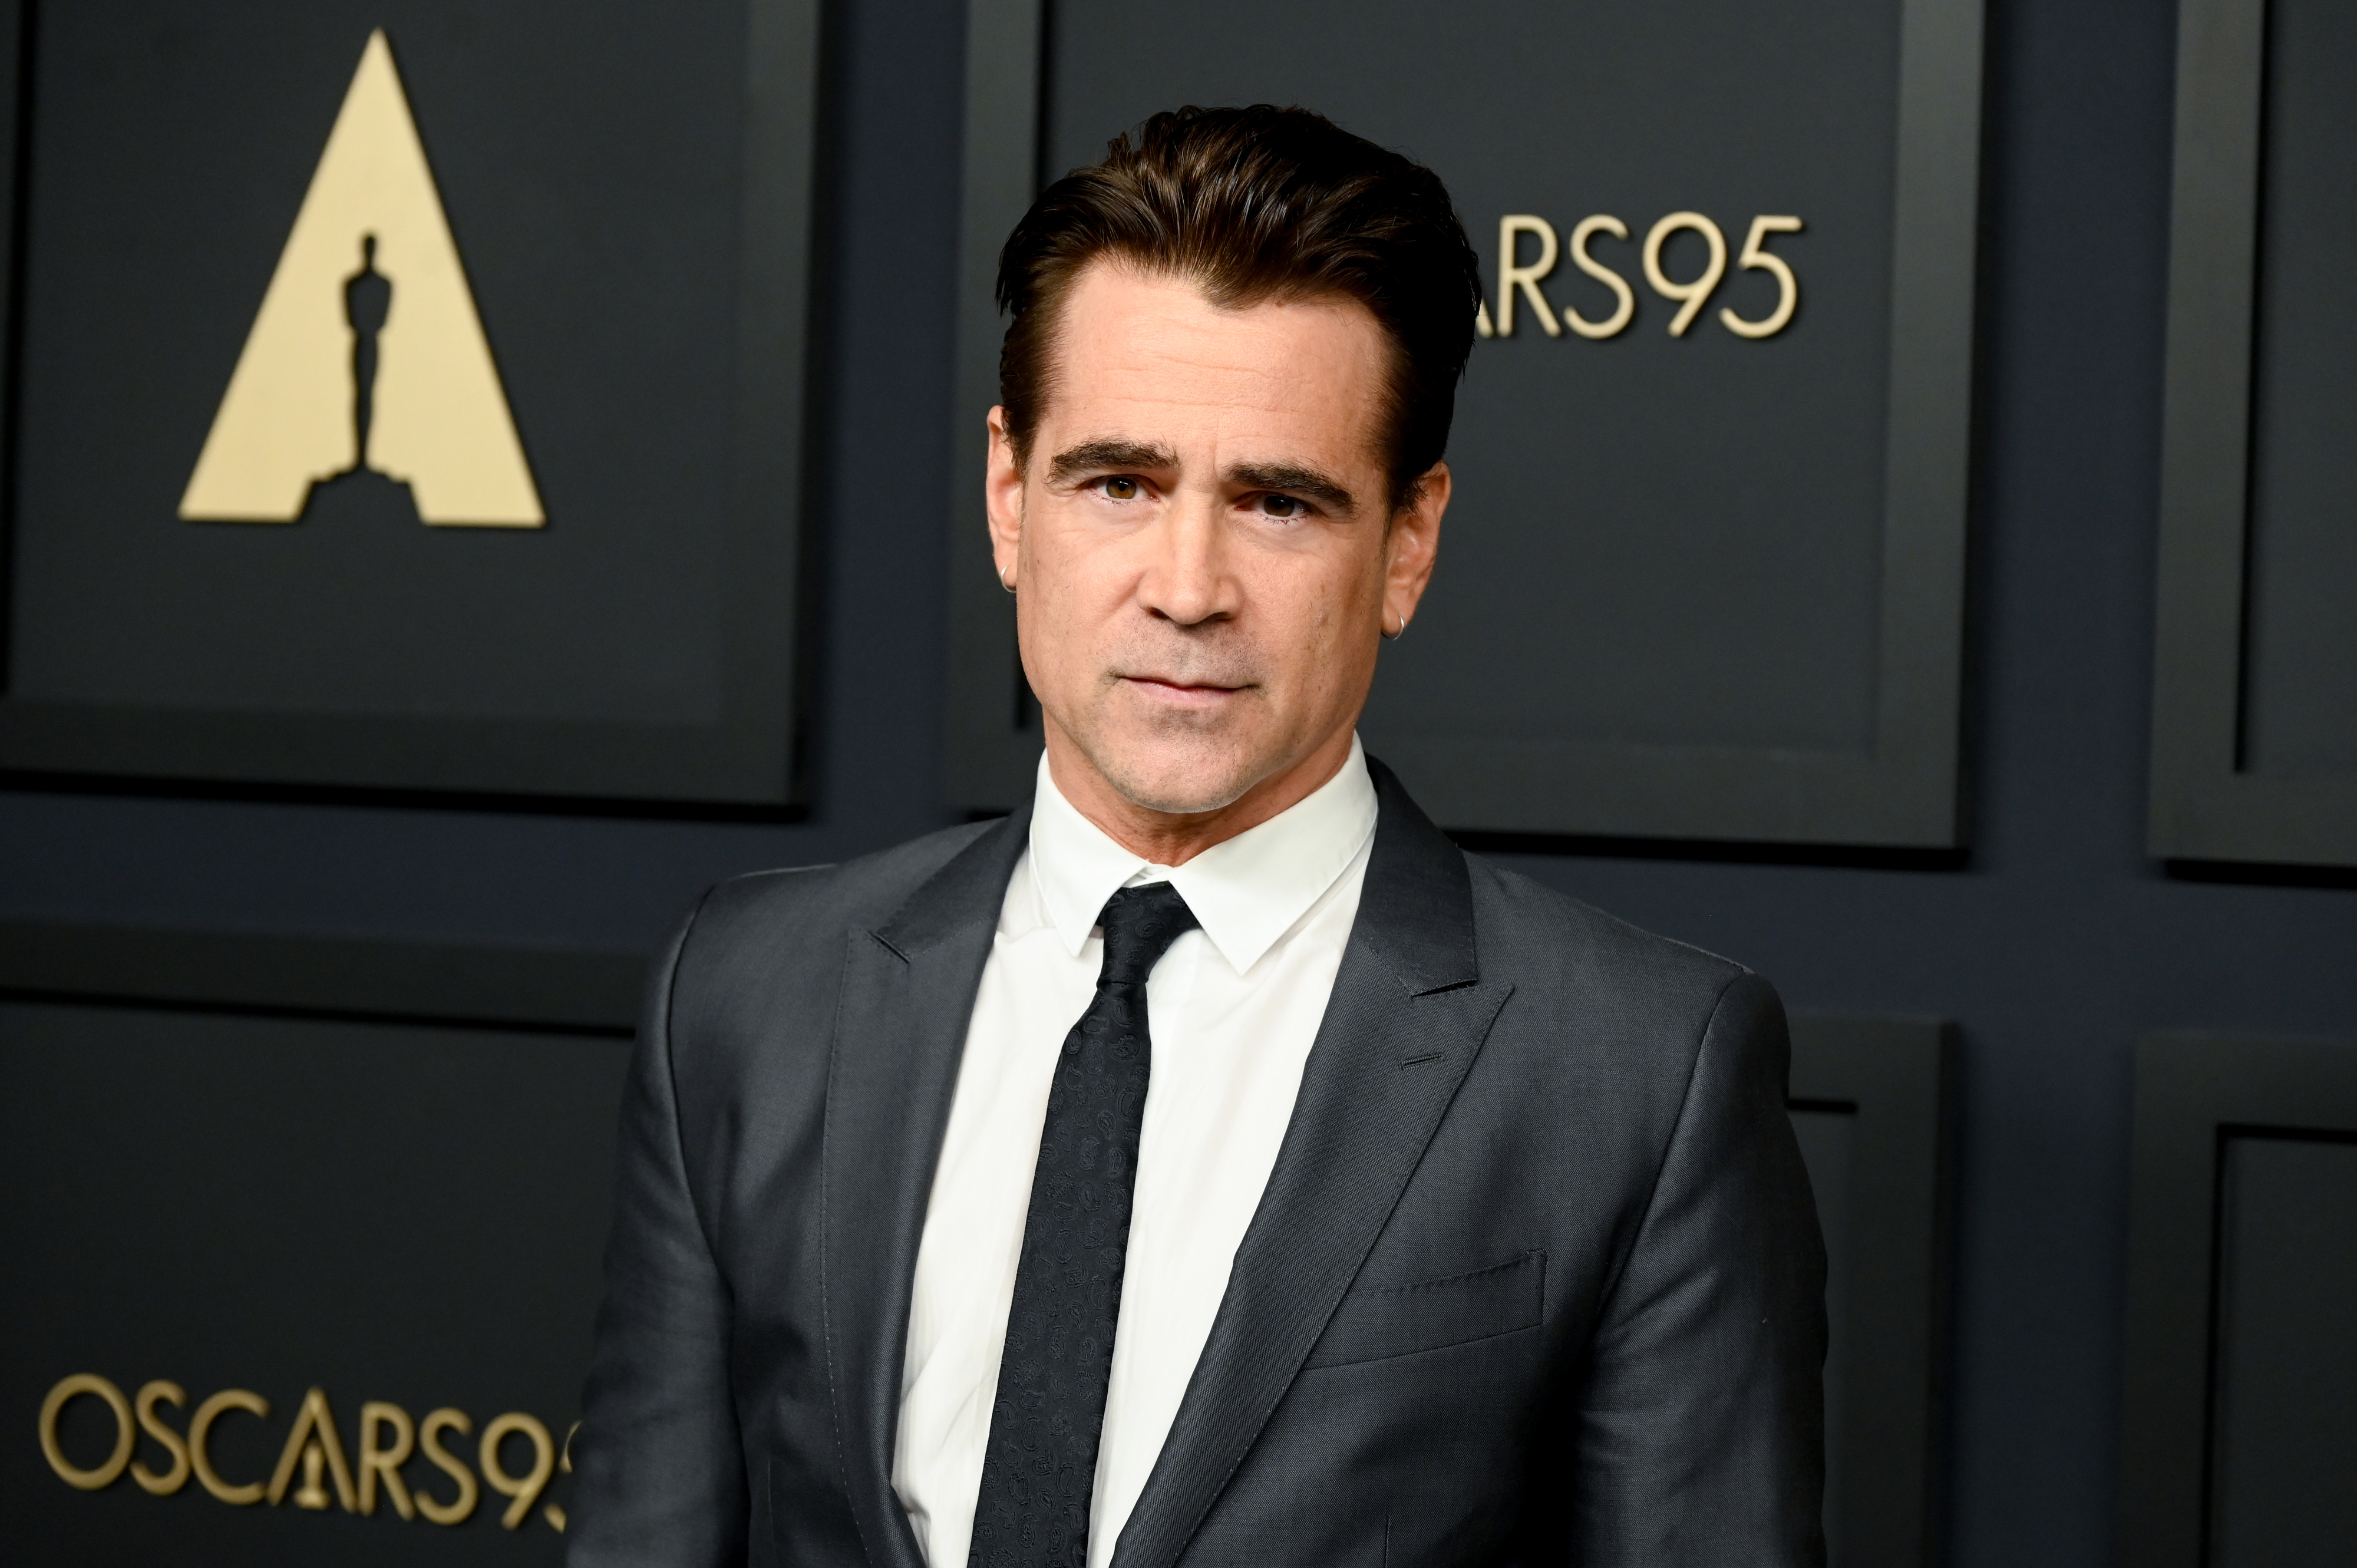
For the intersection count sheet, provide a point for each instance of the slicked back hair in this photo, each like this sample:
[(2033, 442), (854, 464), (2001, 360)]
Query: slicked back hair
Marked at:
[(1254, 205)]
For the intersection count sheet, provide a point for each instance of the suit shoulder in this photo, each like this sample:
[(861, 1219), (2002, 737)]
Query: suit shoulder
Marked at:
[(1632, 1014), (865, 890), (1534, 929)]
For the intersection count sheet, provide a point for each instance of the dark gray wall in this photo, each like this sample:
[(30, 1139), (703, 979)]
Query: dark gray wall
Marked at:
[(2286, 1431), (2055, 944)]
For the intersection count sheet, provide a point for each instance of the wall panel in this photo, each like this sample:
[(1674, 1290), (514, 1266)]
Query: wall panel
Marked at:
[(2285, 1421), (562, 559), (335, 1182), (2237, 1435), (1870, 1104), (2253, 754), (1694, 583)]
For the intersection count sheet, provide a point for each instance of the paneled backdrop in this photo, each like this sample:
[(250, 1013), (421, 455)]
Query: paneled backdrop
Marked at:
[(2055, 941)]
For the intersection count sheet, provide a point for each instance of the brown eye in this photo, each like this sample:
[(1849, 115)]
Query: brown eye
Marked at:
[(1121, 487), (1280, 506)]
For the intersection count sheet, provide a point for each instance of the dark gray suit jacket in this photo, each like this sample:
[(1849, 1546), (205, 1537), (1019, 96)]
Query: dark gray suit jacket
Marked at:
[(1537, 1278)]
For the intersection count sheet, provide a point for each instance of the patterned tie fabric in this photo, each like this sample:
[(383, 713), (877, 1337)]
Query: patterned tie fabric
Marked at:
[(1039, 1469)]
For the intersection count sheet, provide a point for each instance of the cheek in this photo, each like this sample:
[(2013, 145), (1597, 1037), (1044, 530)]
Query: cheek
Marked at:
[(1334, 596), (1077, 582)]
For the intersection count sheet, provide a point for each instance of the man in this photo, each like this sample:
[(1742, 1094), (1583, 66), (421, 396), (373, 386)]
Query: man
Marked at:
[(1209, 1163)]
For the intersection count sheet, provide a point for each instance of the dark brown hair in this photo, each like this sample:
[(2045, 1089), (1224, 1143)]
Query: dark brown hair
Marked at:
[(1254, 205)]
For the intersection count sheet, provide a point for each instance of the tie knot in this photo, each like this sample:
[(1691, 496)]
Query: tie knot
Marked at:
[(1140, 924)]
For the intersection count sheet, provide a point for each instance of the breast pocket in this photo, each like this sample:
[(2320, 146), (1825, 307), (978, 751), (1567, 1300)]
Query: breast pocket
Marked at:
[(1379, 1321)]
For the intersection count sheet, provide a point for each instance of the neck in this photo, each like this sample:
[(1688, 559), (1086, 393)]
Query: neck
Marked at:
[(1173, 838)]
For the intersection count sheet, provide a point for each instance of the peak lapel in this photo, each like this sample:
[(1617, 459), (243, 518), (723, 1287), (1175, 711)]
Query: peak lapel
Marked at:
[(900, 1031), (1408, 1013)]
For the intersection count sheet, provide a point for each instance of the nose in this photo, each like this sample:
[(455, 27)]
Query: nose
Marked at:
[(1188, 581)]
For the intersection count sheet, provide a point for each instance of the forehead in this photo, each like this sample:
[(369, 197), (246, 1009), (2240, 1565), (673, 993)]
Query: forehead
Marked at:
[(1146, 355)]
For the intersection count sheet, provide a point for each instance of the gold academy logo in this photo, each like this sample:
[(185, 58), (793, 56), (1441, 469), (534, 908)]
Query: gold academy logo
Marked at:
[(367, 363)]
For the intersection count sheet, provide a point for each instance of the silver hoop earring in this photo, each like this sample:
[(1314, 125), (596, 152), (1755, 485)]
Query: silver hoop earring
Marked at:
[(1395, 636), (1005, 583)]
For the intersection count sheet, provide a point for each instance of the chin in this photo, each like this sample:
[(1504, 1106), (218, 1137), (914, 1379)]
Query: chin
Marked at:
[(1176, 778)]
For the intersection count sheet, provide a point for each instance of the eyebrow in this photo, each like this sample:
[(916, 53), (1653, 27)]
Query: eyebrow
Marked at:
[(1110, 452)]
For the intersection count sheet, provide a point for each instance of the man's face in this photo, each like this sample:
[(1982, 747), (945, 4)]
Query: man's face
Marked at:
[(1199, 541)]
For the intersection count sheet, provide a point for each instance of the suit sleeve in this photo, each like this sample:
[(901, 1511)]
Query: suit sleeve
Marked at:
[(1700, 1433), (660, 1470)]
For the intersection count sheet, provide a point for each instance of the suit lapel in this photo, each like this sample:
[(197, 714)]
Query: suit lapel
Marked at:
[(1408, 1011), (907, 993)]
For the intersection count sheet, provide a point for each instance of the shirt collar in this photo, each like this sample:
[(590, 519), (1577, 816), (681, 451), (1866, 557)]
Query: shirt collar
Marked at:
[(1246, 891)]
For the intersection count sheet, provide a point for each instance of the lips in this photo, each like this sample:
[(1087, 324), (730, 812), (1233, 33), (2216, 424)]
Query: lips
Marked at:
[(1184, 693)]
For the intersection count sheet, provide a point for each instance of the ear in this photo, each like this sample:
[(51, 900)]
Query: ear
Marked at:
[(1002, 489), (1411, 547)]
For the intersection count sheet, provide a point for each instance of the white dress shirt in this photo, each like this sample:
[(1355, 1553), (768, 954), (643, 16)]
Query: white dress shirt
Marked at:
[(1233, 1008)]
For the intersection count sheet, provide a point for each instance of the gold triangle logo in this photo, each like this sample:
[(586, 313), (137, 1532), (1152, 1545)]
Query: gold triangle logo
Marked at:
[(367, 358)]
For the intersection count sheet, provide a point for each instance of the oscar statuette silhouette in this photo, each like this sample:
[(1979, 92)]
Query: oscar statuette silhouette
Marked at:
[(364, 494), (368, 302)]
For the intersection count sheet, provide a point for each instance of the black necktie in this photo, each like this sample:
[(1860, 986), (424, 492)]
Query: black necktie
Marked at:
[(1041, 1467)]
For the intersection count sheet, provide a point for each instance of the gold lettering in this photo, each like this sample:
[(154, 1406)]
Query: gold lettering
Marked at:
[(552, 1513), (526, 1489), (377, 1460), (1511, 275), (314, 1421), (387, 1436), (1612, 324), (200, 1428), (1692, 293), (65, 1390), (172, 1479), (1787, 287), (431, 1428)]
